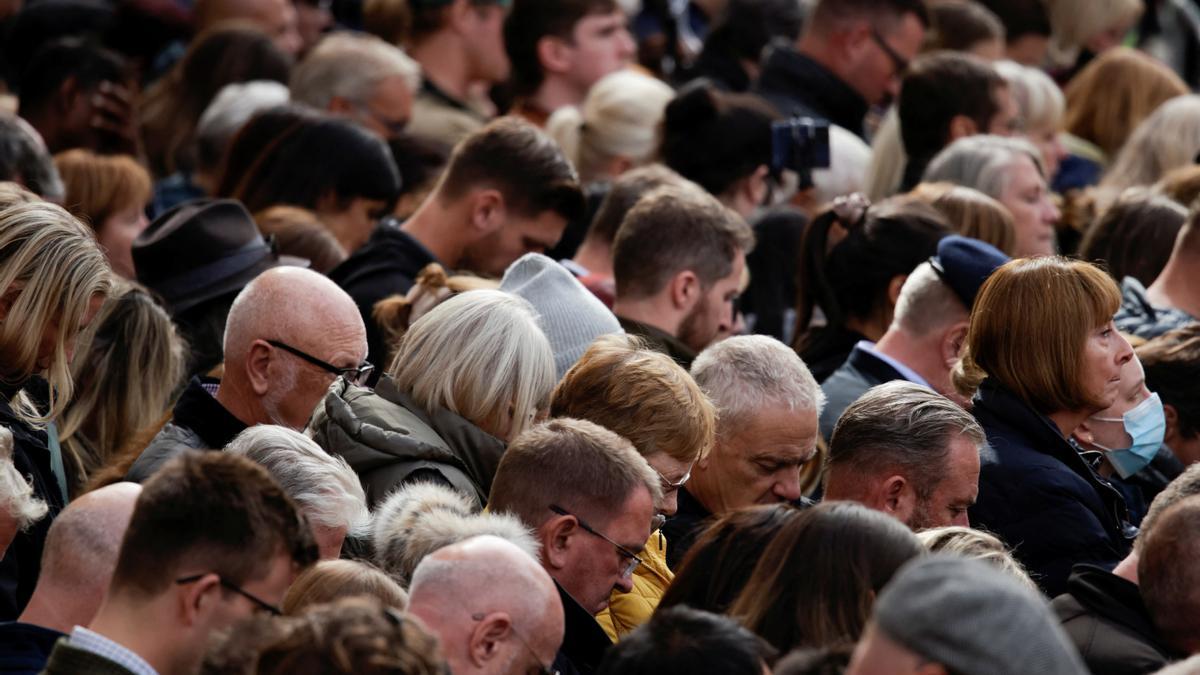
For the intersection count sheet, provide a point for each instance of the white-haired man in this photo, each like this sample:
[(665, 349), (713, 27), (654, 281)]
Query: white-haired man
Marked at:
[(493, 608), (768, 404), (290, 332), (324, 487), (360, 77)]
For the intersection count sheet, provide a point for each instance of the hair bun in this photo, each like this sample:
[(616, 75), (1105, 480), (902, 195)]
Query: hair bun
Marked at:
[(695, 104)]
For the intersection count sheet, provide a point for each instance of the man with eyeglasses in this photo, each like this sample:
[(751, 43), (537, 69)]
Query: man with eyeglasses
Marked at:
[(290, 333), (590, 499), (213, 539), (493, 608), (850, 56)]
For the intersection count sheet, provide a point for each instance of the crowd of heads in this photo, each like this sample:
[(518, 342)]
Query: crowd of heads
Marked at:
[(595, 337)]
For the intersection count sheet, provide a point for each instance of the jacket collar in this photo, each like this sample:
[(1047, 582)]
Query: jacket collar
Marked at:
[(584, 641), (1116, 600), (660, 340), (787, 70), (478, 450), (869, 364), (199, 411)]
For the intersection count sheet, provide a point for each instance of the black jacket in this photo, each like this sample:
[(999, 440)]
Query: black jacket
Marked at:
[(861, 371), (682, 528), (798, 85), (1105, 619), (198, 422), (660, 341), (386, 265), (22, 562), (24, 647), (584, 641), (1041, 497)]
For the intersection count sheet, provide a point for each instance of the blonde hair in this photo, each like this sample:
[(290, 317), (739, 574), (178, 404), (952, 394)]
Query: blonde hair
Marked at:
[(640, 394), (1114, 93), (971, 212), (885, 172), (433, 286), (1182, 185), (331, 580), (50, 270), (620, 117), (1075, 22), (1166, 140), (128, 363), (99, 186), (481, 355), (1065, 300), (1040, 101), (16, 493), (978, 545)]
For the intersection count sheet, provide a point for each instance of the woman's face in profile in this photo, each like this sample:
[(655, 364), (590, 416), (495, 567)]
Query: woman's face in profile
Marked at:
[(1105, 352)]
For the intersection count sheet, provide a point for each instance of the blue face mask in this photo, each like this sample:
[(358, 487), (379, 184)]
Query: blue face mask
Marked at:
[(1146, 425)]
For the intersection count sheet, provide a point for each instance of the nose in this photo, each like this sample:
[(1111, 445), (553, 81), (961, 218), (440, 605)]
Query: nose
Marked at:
[(1124, 351), (670, 503), (962, 520), (628, 46), (1050, 213), (788, 487), (624, 584)]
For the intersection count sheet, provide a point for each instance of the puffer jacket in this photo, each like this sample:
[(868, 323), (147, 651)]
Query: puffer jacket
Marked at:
[(390, 441), (627, 611)]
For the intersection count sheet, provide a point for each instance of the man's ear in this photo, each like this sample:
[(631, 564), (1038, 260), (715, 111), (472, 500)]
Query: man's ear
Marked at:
[(961, 126), (894, 287), (195, 600), (557, 536), (684, 290), (555, 54), (488, 212), (258, 366), (1084, 433), (896, 497), (67, 93), (340, 105), (485, 641), (952, 342)]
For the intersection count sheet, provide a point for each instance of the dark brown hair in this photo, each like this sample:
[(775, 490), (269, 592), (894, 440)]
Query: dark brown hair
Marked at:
[(624, 194), (1172, 364), (1135, 236), (937, 88), (959, 25), (817, 580), (531, 20), (211, 512)]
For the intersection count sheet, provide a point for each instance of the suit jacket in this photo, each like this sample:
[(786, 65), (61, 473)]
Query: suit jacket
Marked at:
[(861, 371)]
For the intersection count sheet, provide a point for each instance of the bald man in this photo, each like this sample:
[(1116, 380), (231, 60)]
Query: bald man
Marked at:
[(492, 607), (276, 18), (290, 332), (77, 565)]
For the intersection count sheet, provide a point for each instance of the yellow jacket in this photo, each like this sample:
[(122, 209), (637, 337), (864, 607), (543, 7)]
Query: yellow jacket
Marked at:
[(627, 611)]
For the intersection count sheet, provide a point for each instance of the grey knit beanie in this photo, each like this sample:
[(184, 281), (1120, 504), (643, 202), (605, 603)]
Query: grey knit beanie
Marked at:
[(568, 313), (973, 619)]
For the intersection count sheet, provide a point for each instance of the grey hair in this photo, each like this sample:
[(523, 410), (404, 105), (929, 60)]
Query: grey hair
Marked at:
[(1168, 139), (229, 111), (981, 162), (420, 518), (1039, 99), (25, 159), (900, 425), (324, 487), (16, 493), (745, 374), (926, 303), (350, 66)]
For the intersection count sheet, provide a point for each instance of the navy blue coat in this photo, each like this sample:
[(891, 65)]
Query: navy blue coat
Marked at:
[(861, 371), (1041, 497)]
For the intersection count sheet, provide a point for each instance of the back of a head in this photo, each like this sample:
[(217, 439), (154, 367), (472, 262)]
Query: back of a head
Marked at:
[(51, 66), (976, 544), (25, 160), (746, 27), (299, 233), (1114, 93), (331, 580), (624, 193), (1021, 18), (849, 276), (938, 88), (595, 473), (529, 21), (684, 640), (350, 66), (256, 140), (640, 394), (815, 583), (926, 305), (718, 565), (746, 374), (213, 511), (981, 162), (1172, 365), (1077, 24), (229, 110), (961, 25), (519, 160), (898, 427), (825, 14), (352, 636), (1040, 100), (975, 214), (619, 119), (672, 230), (733, 129), (482, 355), (998, 625), (1184, 486), (324, 487), (1135, 236), (1066, 299), (83, 543), (1166, 140)]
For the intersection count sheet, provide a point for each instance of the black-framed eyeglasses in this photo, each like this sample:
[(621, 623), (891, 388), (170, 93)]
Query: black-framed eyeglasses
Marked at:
[(356, 375), (258, 602), (634, 560), (899, 63), (543, 669)]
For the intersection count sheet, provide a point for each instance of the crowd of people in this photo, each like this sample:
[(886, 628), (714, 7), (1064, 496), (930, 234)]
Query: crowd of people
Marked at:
[(599, 337)]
